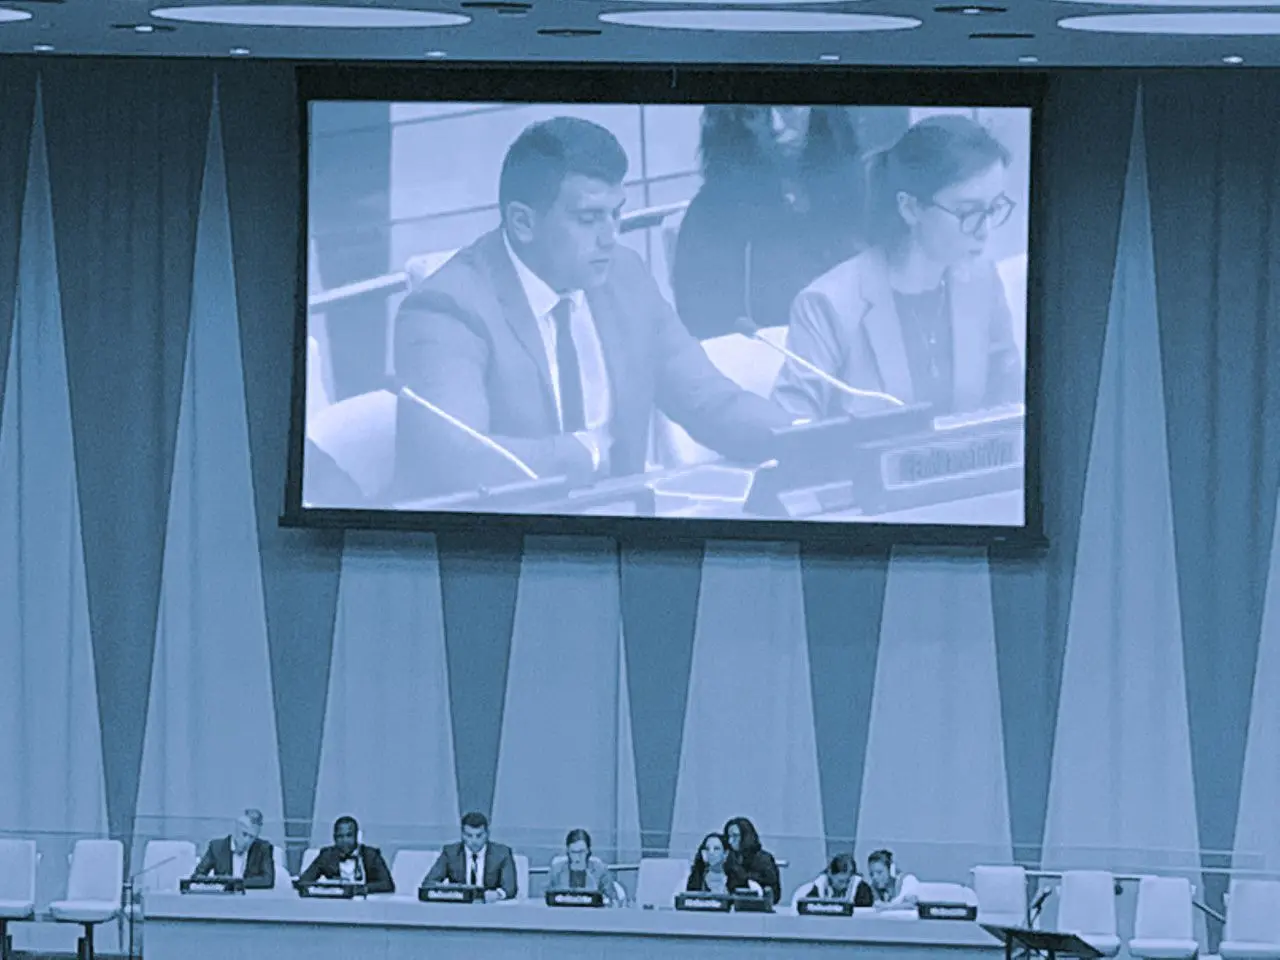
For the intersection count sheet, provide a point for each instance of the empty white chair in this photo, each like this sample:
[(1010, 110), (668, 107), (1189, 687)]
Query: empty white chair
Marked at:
[(308, 858), (1164, 927), (945, 893), (1087, 908), (661, 878), (93, 889), (17, 887), (165, 863), (409, 867), (359, 434), (283, 880), (1002, 895), (522, 876), (1253, 921)]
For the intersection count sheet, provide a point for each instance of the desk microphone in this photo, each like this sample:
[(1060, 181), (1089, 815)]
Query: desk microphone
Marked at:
[(473, 433), (1038, 904), (748, 329)]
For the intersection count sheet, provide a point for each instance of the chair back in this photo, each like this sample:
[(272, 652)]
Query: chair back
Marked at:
[(18, 870), (164, 865), (308, 858), (283, 881), (409, 868), (1253, 912), (359, 433), (660, 879), (1002, 894), (1164, 909), (945, 893), (97, 871), (1087, 903), (522, 876)]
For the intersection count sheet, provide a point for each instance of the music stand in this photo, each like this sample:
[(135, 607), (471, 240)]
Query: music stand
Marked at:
[(1053, 945)]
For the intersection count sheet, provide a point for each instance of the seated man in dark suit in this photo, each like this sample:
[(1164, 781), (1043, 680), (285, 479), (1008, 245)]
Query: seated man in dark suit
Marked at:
[(551, 339), (476, 862), (350, 861), (241, 855)]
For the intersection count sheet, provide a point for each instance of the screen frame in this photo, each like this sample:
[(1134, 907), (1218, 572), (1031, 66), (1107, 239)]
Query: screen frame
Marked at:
[(684, 84)]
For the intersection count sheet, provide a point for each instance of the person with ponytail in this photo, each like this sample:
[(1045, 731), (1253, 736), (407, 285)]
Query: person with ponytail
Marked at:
[(780, 203), (920, 316)]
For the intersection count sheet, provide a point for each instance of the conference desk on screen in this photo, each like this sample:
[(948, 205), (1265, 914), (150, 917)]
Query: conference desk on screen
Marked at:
[(398, 927), (899, 466)]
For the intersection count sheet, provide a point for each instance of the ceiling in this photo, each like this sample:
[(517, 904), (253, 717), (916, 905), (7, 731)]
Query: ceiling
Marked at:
[(1028, 34)]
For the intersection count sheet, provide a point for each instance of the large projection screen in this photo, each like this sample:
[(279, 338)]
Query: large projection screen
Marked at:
[(756, 314)]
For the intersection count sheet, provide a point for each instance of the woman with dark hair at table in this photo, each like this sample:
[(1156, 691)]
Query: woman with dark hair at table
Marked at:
[(578, 869), (840, 881), (921, 316), (747, 857), (711, 871), (780, 203)]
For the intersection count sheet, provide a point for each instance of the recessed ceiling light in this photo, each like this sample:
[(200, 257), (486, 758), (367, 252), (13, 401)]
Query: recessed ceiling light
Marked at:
[(1233, 59), (143, 28), (300, 15), (435, 54), (1028, 58), (239, 51), (1179, 24), (760, 21), (43, 48), (830, 58), (13, 16), (569, 33), (970, 9), (736, 3)]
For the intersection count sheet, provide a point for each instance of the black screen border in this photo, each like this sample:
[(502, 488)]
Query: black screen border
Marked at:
[(680, 84)]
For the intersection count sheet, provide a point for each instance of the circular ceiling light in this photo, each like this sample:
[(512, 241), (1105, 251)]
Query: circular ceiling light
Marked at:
[(759, 21), (13, 16), (1179, 24), (301, 15)]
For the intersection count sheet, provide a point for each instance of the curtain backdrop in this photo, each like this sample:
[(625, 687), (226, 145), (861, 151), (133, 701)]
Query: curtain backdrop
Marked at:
[(1103, 702)]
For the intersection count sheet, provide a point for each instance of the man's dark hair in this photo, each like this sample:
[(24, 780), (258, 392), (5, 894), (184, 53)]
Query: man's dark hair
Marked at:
[(351, 820), (475, 820), (546, 152), (881, 856)]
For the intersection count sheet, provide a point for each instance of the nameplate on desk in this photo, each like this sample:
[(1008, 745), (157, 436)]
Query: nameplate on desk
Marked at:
[(449, 893), (332, 890), (816, 907), (953, 458), (946, 911), (575, 898), (705, 902), (211, 885), (753, 903)]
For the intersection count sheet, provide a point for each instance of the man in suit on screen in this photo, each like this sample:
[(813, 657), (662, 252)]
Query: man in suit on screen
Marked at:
[(350, 861), (476, 862), (552, 339), (242, 854)]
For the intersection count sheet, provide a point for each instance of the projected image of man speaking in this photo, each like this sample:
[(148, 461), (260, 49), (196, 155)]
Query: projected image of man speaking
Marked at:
[(544, 347)]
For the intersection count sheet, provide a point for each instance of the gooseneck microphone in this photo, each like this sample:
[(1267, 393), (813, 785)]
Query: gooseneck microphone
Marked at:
[(482, 439), (748, 329), (1038, 905)]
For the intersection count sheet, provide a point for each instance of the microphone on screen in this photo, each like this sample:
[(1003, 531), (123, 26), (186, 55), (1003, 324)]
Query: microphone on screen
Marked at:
[(748, 329), (481, 439), (1038, 904)]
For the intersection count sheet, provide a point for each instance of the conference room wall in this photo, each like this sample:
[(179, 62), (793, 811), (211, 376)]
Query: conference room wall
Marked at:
[(168, 652)]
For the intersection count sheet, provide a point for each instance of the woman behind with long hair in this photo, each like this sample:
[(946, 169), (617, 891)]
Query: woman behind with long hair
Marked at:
[(747, 857), (780, 204), (921, 315)]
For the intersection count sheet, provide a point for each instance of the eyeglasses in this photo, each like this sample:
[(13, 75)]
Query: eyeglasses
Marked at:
[(971, 221)]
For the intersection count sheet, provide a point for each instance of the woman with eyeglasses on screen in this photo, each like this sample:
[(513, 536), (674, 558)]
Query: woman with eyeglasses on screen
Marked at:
[(780, 203), (921, 316)]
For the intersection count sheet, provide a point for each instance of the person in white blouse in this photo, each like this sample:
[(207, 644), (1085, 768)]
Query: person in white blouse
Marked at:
[(890, 889)]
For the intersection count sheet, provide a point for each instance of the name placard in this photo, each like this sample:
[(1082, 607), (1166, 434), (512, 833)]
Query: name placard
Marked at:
[(215, 885), (946, 911), (958, 458), (332, 890), (815, 907), (449, 893), (704, 902), (574, 898)]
